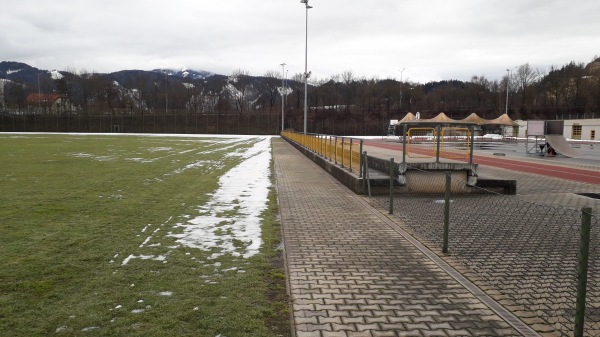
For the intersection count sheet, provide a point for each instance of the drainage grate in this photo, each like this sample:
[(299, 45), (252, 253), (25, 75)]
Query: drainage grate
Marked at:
[(590, 195)]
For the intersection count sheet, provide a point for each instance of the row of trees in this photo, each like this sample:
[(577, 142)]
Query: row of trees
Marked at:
[(532, 93), (340, 104)]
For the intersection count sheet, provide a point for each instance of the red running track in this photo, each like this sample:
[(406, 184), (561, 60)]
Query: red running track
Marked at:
[(561, 172)]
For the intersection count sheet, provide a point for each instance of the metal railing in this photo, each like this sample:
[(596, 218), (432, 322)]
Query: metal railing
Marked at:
[(456, 143), (345, 151), (438, 142), (421, 142)]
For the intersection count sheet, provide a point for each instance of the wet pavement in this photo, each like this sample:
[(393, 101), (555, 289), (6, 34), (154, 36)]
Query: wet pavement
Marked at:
[(353, 271)]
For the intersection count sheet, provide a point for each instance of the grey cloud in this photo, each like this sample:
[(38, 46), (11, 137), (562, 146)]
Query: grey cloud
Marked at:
[(436, 39)]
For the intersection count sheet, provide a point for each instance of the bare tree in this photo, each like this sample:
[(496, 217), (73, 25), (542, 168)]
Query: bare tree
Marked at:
[(273, 84), (552, 85), (240, 84), (525, 77), (347, 76)]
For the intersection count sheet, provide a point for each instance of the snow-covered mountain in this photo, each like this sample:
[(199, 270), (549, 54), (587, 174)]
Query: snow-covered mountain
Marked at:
[(26, 73), (185, 73)]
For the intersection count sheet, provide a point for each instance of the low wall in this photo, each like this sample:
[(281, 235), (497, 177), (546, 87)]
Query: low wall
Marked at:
[(419, 178), (343, 175)]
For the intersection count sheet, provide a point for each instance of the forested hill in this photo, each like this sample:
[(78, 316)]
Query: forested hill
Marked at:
[(573, 88)]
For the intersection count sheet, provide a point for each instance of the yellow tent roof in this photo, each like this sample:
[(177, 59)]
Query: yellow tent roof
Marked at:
[(502, 120), (442, 118), (409, 117), (474, 118)]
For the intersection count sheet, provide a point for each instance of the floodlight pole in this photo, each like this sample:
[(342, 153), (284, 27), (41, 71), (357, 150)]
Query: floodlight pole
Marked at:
[(166, 93), (39, 94), (401, 71), (305, 2), (283, 90), (507, 81)]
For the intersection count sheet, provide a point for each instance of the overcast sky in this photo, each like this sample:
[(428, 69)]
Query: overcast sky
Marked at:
[(431, 40)]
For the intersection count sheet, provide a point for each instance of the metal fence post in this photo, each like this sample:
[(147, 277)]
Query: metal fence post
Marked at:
[(366, 174), (437, 137), (364, 177), (472, 140), (446, 213), (360, 174), (319, 144), (582, 270), (335, 151), (350, 164), (391, 185), (343, 154), (404, 143)]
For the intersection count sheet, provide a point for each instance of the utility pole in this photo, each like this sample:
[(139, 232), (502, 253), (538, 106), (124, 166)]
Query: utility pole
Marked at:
[(166, 92), (305, 2), (507, 82), (39, 94), (283, 92), (400, 104)]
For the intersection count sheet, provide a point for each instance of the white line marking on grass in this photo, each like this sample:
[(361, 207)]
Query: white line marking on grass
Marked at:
[(197, 164), (144, 257), (87, 155), (146, 241), (142, 160), (157, 149)]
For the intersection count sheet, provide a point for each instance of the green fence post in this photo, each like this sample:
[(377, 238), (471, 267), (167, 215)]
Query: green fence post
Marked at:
[(360, 174), (404, 143), (391, 185), (366, 173), (582, 270), (362, 163), (437, 137), (446, 213), (343, 154), (335, 150), (472, 140), (350, 164), (318, 144)]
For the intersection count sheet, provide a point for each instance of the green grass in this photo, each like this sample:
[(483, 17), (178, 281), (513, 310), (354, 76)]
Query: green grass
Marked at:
[(72, 208)]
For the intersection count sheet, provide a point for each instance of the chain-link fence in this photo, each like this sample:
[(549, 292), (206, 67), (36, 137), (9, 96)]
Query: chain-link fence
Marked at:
[(172, 121), (529, 257)]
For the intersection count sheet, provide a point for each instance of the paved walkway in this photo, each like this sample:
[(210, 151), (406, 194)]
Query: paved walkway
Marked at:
[(354, 273)]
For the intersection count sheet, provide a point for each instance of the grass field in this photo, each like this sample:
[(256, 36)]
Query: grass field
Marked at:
[(104, 235)]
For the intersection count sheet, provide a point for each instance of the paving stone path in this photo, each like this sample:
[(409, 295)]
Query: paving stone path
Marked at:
[(352, 274)]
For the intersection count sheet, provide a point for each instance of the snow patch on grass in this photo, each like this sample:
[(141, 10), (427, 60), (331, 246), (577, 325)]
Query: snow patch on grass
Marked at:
[(157, 149), (230, 221), (91, 156), (144, 257)]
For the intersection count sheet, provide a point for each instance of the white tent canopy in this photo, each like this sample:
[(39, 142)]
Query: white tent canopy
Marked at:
[(473, 118)]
